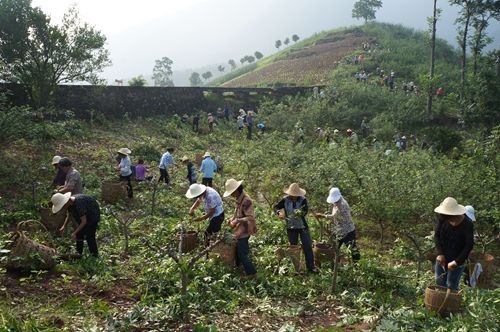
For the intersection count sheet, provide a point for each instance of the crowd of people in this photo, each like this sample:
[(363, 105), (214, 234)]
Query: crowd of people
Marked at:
[(453, 233)]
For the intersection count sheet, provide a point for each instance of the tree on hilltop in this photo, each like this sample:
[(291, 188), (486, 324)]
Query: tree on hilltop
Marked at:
[(258, 55), (40, 55), (295, 38), (366, 9), (195, 79), (221, 68), (207, 75), (250, 58), (137, 81), (232, 63), (286, 41), (162, 72), (277, 44), (243, 60)]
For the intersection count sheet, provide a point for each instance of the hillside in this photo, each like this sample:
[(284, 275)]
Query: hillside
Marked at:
[(312, 61)]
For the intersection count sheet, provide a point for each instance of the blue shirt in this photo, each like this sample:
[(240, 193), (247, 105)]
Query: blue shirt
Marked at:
[(212, 200), (166, 160), (208, 167), (125, 166)]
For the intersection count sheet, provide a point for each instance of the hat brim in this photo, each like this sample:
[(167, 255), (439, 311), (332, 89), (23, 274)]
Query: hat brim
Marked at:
[(192, 194), (457, 212), (333, 199), (228, 193), (470, 215), (57, 208), (300, 192)]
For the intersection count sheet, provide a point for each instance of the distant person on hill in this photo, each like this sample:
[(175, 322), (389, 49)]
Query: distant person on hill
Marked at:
[(125, 169), (240, 122), (413, 139), (454, 239), (211, 121), (60, 177), (243, 223), (219, 114), (166, 162), (261, 126), (352, 136), (250, 116), (196, 122), (404, 143), (342, 219), (185, 118), (73, 182), (364, 128), (439, 92), (212, 202), (140, 171), (87, 213), (208, 168), (293, 209), (226, 112), (191, 170)]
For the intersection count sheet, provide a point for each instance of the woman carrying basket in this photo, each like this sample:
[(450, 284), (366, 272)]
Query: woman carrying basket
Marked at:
[(454, 239)]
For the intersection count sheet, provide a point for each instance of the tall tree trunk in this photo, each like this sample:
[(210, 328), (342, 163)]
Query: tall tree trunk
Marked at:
[(433, 59), (476, 47), (464, 53)]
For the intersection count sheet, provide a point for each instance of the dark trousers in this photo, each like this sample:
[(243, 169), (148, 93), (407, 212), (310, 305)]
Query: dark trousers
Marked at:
[(130, 192), (305, 238), (87, 233), (350, 241), (207, 182), (242, 251), (164, 176), (249, 132), (192, 180), (213, 227), (195, 126)]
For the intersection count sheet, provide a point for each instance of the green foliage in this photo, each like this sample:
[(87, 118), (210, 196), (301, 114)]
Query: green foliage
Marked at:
[(195, 79), (162, 72), (207, 75), (366, 9), (258, 55), (72, 51), (137, 81)]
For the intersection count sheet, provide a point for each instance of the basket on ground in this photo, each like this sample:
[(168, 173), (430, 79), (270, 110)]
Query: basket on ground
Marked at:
[(323, 252), (28, 254), (487, 262), (294, 252), (189, 241), (113, 191), (442, 300), (225, 253), (52, 221)]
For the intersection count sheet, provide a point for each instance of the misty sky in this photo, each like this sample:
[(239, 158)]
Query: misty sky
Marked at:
[(195, 33)]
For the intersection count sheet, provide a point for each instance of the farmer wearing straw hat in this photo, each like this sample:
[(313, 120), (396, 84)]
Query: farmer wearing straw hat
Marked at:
[(208, 168), (73, 181), (243, 223), (60, 177), (191, 170), (454, 239), (85, 210), (341, 217), (125, 169), (295, 207), (214, 211), (166, 161)]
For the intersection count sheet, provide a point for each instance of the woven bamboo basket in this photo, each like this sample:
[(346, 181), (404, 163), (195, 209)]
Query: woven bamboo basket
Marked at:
[(52, 221), (225, 253), (28, 254), (487, 262), (294, 252), (442, 300), (189, 241), (198, 158), (323, 252), (113, 191)]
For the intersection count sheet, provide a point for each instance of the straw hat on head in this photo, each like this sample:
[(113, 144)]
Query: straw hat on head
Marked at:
[(334, 195), (124, 151), (349, 130), (184, 158), (450, 207), (59, 200), (295, 190), (207, 154), (231, 186), (195, 190), (469, 212), (336, 131), (56, 160)]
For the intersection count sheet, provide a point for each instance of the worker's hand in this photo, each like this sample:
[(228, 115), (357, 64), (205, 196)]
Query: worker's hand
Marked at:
[(452, 265), (233, 223), (281, 215), (61, 230), (319, 215), (73, 236)]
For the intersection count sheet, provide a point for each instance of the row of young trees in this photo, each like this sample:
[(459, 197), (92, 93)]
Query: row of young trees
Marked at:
[(278, 43)]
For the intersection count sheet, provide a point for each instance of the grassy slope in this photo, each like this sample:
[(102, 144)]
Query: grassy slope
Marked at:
[(396, 38)]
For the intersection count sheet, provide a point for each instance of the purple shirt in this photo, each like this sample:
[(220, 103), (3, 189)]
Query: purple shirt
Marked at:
[(140, 172)]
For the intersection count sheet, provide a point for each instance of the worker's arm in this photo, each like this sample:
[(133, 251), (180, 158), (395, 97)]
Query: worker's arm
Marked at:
[(83, 222)]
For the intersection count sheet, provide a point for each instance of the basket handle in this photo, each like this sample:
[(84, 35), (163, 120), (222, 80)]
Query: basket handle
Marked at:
[(46, 233), (448, 292)]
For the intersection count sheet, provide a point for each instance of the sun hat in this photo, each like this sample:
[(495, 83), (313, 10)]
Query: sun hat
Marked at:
[(207, 154), (349, 130), (209, 113), (334, 195), (184, 158), (124, 151), (231, 185), (450, 207), (195, 190), (295, 190), (469, 212), (56, 160), (59, 200)]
